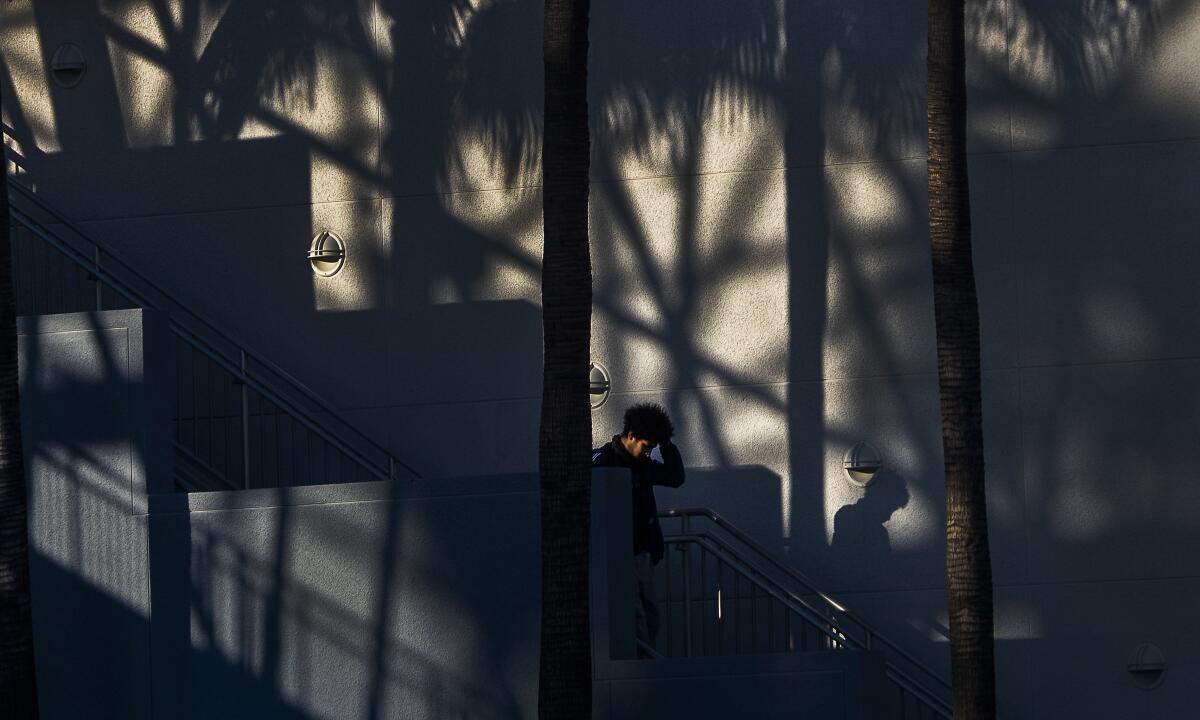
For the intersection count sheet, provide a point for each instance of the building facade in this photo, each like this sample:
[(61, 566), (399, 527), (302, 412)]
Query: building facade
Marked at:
[(761, 266)]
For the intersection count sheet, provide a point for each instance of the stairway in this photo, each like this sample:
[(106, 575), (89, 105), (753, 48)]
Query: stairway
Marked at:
[(240, 421), (723, 594)]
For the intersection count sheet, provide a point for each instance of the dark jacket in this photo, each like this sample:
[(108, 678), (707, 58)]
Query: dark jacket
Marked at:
[(647, 535)]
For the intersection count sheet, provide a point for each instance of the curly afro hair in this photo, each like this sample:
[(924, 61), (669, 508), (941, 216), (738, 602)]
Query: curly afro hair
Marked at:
[(648, 421)]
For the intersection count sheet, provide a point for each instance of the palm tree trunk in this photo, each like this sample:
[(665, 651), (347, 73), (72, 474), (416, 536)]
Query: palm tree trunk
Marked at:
[(968, 562), (565, 689), (17, 686)]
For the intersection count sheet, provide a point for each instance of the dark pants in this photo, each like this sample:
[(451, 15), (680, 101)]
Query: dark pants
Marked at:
[(646, 603)]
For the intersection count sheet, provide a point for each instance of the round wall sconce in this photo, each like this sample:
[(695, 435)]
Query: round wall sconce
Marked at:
[(599, 384), (67, 66), (861, 464), (327, 254), (1147, 666)]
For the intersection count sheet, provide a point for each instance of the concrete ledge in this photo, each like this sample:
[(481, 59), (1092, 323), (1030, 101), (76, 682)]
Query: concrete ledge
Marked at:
[(844, 684), (774, 663), (341, 493)]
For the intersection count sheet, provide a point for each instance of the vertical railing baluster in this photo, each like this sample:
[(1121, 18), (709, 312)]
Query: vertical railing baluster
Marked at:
[(195, 411), (226, 421), (39, 308), (55, 284), (720, 616), (178, 353), (275, 440), (343, 477), (319, 454), (703, 602), (64, 292), (245, 423), (737, 617), (291, 453), (34, 285), (770, 623), (31, 287), (99, 284), (753, 619), (213, 421), (668, 618), (788, 645), (687, 592), (19, 268)]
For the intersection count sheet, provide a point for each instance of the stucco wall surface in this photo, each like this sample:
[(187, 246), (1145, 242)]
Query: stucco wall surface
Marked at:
[(760, 260)]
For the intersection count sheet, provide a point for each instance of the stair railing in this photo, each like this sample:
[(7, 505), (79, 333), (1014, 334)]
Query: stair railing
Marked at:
[(751, 602), (228, 397)]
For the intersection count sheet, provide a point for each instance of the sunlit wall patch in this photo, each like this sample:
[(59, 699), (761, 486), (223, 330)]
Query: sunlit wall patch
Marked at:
[(67, 66), (327, 254)]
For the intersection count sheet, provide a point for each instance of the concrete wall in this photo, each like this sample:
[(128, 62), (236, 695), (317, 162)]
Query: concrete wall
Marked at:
[(93, 438), (348, 601), (353, 600), (422, 601), (760, 260)]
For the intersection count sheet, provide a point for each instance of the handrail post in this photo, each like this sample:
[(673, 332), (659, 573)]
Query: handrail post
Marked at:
[(245, 424), (99, 282)]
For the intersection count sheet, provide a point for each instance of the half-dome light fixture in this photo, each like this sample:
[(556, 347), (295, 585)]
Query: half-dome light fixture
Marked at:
[(1147, 666), (862, 464), (67, 66), (327, 254), (599, 384)]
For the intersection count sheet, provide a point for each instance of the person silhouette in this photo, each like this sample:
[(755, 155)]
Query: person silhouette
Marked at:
[(646, 427)]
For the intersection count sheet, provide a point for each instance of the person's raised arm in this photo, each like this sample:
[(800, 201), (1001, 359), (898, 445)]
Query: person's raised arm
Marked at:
[(669, 472)]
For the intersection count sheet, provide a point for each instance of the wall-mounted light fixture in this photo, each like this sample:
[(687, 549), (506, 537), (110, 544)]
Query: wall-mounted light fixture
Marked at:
[(862, 464), (327, 254), (67, 66), (599, 384), (1147, 666)]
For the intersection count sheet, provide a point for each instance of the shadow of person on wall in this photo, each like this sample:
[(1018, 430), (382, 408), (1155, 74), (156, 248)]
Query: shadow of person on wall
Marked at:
[(858, 529)]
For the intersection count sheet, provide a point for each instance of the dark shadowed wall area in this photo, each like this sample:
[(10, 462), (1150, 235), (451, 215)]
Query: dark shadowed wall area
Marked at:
[(761, 268)]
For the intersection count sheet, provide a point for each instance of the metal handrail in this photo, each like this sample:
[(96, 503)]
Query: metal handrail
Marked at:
[(873, 635), (279, 400), (181, 317), (797, 604), (732, 529), (734, 559)]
